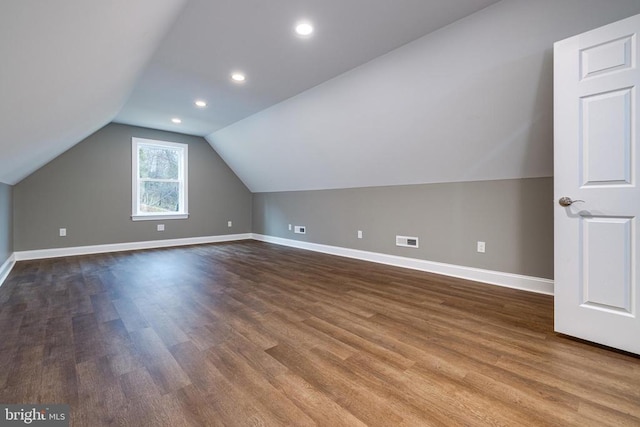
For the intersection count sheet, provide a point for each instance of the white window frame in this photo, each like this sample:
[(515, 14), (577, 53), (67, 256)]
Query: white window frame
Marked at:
[(136, 214)]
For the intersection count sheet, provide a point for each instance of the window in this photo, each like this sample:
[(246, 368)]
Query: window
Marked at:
[(159, 181)]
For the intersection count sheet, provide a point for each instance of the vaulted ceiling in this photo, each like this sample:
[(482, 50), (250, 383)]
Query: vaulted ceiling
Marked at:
[(71, 66), (66, 69), (213, 38), (384, 92)]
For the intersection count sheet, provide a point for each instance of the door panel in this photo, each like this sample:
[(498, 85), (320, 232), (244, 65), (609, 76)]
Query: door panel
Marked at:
[(596, 113), (607, 272), (607, 57), (606, 137)]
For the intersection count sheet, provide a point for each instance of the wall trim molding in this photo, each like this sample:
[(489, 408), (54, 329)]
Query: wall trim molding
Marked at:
[(508, 280), (130, 246), (6, 268)]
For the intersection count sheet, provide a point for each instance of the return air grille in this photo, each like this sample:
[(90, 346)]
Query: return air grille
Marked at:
[(406, 241)]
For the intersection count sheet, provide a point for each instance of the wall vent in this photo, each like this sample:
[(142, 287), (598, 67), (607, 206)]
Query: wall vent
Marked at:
[(406, 241)]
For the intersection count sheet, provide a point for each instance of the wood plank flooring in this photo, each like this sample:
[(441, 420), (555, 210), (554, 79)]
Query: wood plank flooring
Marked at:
[(252, 334)]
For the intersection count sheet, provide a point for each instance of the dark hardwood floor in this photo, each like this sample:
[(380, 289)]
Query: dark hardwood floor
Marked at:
[(255, 334)]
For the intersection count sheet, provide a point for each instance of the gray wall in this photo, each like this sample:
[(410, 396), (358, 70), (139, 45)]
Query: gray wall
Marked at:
[(88, 191), (6, 222), (513, 217)]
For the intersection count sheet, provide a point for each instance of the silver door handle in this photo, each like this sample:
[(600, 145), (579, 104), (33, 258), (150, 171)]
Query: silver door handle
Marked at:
[(566, 201)]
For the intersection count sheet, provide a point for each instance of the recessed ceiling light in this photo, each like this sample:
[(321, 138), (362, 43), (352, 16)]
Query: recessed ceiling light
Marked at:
[(304, 28), (176, 120), (238, 77), (200, 103)]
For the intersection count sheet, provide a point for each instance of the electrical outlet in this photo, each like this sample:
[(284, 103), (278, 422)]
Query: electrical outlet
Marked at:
[(229, 223), (63, 232), (160, 227), (300, 229), (481, 247), (359, 234), (289, 227)]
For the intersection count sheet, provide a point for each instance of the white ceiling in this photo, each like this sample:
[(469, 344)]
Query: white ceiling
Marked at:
[(470, 102), (71, 66), (331, 111), (66, 69), (214, 37)]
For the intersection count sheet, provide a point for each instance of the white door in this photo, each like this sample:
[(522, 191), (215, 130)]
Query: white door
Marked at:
[(596, 161)]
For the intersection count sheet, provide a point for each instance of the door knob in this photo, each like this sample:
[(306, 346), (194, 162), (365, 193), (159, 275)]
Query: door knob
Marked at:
[(566, 201)]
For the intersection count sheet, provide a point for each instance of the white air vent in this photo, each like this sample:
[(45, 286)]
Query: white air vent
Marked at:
[(300, 229), (409, 242)]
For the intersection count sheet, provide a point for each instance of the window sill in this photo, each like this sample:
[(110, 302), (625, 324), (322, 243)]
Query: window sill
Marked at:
[(158, 217)]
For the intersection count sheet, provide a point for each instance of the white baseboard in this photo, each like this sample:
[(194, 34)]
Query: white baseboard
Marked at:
[(509, 280), (5, 268), (132, 246)]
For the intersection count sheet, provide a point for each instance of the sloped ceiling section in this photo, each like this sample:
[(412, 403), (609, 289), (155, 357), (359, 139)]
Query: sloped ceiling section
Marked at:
[(67, 68), (470, 102), (214, 37)]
